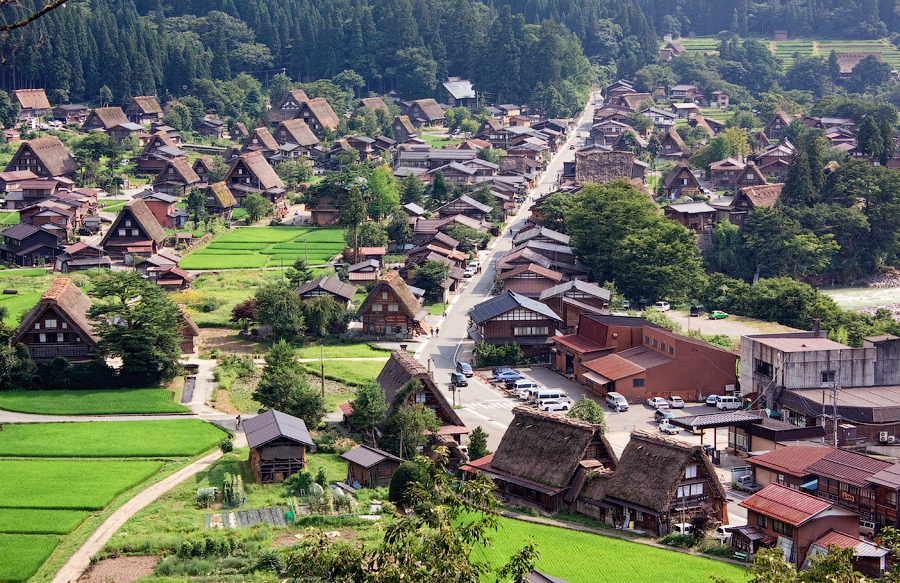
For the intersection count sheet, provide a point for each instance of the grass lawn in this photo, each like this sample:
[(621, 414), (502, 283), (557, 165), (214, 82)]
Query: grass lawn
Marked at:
[(100, 402), (267, 247), (344, 351), (17, 304), (39, 521), (69, 484), (439, 141), (22, 556), (335, 467), (349, 372), (436, 309), (582, 557), (162, 438), (36, 272)]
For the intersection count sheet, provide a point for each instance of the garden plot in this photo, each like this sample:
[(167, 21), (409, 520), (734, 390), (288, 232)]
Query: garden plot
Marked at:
[(101, 402), (163, 438), (69, 484), (255, 247)]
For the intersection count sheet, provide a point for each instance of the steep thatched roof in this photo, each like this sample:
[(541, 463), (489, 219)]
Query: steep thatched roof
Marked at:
[(650, 470), (547, 448), (137, 209), (106, 117), (260, 168), (182, 172), (206, 161), (222, 195), (763, 195), (186, 321), (144, 104), (408, 127), (431, 109), (633, 101), (30, 98), (71, 304), (847, 61), (263, 137), (600, 167), (675, 173), (53, 154), (373, 103), (392, 281), (296, 131), (321, 109), (399, 370)]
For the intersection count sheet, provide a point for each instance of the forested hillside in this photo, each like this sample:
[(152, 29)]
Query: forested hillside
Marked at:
[(148, 46)]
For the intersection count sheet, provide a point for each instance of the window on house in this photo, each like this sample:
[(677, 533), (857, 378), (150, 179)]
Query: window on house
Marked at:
[(783, 528), (671, 350), (50, 324), (421, 397), (654, 343), (662, 346), (637, 383), (37, 325), (122, 232), (690, 472), (531, 330), (827, 376), (392, 307), (891, 499), (42, 337), (59, 337), (377, 307), (780, 479), (127, 223), (762, 521)]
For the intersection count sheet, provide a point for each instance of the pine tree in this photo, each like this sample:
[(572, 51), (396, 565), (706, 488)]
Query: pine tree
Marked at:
[(869, 139), (888, 148), (220, 67), (798, 187)]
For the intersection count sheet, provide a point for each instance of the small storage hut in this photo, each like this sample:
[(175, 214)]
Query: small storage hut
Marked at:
[(369, 467), (278, 444)]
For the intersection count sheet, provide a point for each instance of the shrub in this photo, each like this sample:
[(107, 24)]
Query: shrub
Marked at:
[(505, 355), (322, 477), (226, 445), (406, 473), (232, 490), (270, 560), (679, 540), (299, 483)]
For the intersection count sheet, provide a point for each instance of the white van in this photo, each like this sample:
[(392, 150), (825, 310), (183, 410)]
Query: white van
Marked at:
[(544, 394), (728, 403), (522, 388), (617, 401)]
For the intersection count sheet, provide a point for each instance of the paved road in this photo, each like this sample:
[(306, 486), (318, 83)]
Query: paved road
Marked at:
[(483, 405)]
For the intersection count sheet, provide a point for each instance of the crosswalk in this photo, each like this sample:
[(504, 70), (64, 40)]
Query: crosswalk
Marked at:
[(498, 404)]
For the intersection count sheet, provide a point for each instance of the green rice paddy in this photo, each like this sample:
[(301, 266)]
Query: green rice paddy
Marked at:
[(157, 438), (21, 556), (582, 557), (99, 402), (255, 247), (39, 520)]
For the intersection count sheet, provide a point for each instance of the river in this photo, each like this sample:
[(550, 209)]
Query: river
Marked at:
[(857, 298)]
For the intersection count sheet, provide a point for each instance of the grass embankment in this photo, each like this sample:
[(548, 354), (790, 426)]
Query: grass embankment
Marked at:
[(158, 438), (255, 247), (100, 402), (8, 219), (343, 351), (582, 557)]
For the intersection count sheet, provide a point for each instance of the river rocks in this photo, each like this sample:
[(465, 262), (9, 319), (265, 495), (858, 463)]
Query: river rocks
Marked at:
[(894, 309), (879, 280)]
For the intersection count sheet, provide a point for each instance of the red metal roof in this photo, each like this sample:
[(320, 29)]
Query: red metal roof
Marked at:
[(613, 367), (786, 505), (578, 343), (848, 467), (794, 460)]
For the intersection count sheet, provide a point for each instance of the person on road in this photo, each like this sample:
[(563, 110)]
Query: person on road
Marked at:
[(437, 331), (237, 424)]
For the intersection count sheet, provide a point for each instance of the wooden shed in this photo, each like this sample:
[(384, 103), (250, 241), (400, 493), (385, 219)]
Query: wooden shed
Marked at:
[(368, 467), (278, 444)]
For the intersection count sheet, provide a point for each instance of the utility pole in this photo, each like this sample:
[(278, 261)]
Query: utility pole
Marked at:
[(322, 368), (835, 390)]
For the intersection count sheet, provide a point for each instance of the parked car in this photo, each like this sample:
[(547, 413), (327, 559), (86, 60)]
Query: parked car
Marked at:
[(465, 368), (500, 369), (666, 427), (723, 535), (662, 306), (747, 484), (697, 310), (626, 305), (663, 415), (710, 401), (657, 403), (509, 376), (866, 528), (717, 315), (469, 272), (681, 528), (728, 403), (617, 401), (675, 402), (458, 380), (552, 405)]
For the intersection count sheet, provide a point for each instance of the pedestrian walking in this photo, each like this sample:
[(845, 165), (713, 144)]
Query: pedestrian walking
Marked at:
[(437, 331), (237, 425)]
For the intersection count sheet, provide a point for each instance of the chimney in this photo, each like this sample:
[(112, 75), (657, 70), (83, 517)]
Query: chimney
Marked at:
[(816, 327)]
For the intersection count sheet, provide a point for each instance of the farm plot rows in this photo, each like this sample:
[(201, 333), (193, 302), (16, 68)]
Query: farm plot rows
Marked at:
[(256, 247), (44, 500), (582, 557)]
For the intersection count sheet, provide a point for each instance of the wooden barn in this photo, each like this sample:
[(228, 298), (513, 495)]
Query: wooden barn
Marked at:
[(368, 467), (58, 325), (278, 444)]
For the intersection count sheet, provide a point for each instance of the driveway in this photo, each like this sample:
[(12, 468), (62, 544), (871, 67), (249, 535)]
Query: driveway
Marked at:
[(733, 326)]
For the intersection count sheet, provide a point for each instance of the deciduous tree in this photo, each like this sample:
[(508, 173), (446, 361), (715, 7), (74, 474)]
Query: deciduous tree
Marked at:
[(369, 407)]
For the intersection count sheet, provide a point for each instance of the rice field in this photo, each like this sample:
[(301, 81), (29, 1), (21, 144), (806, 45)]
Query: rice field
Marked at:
[(21, 556), (256, 247), (348, 372), (69, 484), (157, 438), (39, 521), (99, 402), (785, 50), (582, 557)]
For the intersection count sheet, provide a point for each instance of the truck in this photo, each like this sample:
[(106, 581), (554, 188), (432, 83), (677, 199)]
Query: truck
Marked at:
[(747, 484)]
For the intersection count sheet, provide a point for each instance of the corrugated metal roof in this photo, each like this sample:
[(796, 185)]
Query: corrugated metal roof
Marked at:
[(793, 460), (846, 541), (786, 505), (889, 476), (798, 344), (367, 457), (849, 467), (272, 424), (613, 367), (505, 302)]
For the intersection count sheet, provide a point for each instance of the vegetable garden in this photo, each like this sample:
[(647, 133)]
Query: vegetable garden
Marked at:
[(255, 247)]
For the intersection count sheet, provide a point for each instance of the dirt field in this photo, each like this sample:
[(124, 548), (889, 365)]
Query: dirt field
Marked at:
[(120, 570), (226, 340), (732, 326)]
